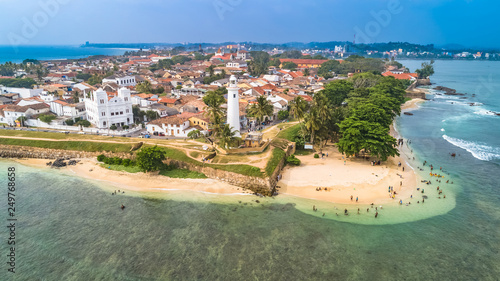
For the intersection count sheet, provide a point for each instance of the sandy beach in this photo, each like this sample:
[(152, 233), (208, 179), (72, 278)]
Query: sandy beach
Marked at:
[(141, 182), (411, 104), (339, 177), (345, 177)]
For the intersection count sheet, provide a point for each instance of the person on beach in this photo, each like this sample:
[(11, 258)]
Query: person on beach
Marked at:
[(356, 199), (403, 169), (351, 197)]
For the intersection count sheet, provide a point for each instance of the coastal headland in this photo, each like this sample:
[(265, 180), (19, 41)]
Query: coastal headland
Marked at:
[(338, 177)]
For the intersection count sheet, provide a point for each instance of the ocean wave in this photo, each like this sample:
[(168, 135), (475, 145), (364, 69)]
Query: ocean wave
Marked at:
[(479, 150), (442, 130), (484, 112)]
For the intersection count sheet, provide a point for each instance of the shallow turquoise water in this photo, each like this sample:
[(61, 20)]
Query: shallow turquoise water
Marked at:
[(19, 53), (72, 229)]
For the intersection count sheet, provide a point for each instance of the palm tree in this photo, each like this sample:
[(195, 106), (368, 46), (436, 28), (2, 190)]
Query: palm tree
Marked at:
[(214, 111), (261, 109), (313, 122), (298, 107), (227, 135)]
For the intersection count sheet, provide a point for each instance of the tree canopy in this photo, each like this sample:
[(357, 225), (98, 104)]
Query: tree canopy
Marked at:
[(150, 158), (426, 71)]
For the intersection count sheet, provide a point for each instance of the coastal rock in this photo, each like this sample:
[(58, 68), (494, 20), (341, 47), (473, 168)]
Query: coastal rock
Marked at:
[(59, 163), (448, 91)]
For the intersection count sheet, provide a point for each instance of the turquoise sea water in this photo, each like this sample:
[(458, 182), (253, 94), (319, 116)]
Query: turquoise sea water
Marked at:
[(20, 53), (73, 229)]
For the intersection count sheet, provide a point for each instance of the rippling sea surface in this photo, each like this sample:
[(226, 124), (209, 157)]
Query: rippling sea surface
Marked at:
[(19, 53), (73, 229)]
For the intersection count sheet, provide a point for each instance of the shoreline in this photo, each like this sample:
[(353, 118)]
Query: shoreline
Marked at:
[(345, 177), (357, 177), (90, 169)]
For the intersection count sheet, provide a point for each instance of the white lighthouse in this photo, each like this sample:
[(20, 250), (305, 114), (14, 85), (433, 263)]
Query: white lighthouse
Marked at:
[(233, 105)]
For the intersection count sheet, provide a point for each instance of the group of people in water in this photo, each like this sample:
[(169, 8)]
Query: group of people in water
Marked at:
[(115, 193), (393, 192)]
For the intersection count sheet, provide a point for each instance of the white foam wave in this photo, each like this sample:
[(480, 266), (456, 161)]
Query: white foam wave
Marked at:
[(484, 112), (480, 151), (442, 130)]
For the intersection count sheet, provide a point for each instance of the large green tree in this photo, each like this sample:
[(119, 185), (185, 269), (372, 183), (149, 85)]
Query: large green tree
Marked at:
[(144, 87), (358, 135), (227, 136), (328, 68), (261, 109), (259, 63), (289, 65), (150, 159), (214, 111), (426, 71), (337, 91)]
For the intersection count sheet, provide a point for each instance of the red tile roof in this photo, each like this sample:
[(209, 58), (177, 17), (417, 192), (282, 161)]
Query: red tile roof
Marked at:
[(402, 76), (303, 61)]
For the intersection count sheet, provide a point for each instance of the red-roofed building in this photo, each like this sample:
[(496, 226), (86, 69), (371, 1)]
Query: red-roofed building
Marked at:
[(402, 76), (304, 63)]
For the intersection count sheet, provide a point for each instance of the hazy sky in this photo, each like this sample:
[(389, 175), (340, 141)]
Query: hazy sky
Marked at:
[(35, 22)]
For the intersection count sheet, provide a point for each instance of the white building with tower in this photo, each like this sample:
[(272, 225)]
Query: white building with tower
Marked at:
[(105, 110), (233, 105)]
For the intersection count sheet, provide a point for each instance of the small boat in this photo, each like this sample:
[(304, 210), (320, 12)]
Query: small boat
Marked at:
[(408, 113)]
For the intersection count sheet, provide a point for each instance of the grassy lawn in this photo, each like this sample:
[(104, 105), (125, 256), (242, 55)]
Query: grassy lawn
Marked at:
[(176, 173), (183, 174), (70, 145), (59, 136), (129, 169), (289, 133), (194, 154), (237, 168), (276, 157)]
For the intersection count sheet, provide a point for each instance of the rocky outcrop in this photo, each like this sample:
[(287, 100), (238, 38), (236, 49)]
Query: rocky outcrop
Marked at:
[(448, 91), (424, 82)]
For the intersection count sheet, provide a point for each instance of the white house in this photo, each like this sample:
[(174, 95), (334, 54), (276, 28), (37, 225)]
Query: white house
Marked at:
[(237, 63), (120, 80), (104, 111), (272, 78), (171, 126), (23, 92), (62, 108), (144, 100), (12, 112)]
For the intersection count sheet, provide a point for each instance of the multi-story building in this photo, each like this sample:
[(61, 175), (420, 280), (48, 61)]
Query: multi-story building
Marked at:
[(104, 110), (120, 80)]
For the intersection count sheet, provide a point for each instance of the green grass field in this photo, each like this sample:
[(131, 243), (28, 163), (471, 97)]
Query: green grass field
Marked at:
[(70, 145), (289, 133), (183, 174), (129, 169), (276, 157)]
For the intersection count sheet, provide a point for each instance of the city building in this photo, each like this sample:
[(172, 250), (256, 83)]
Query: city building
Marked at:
[(105, 110), (120, 80)]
